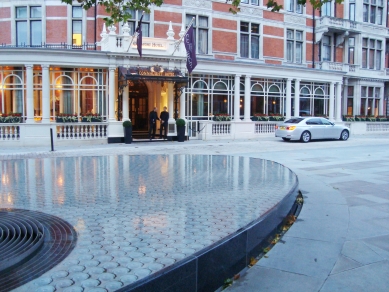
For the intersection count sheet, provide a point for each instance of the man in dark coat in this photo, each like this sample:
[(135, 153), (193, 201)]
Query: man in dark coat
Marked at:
[(153, 117), (164, 116)]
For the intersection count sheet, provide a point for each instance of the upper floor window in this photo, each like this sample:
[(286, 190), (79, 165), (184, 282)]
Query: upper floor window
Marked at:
[(252, 2), (351, 11), (327, 9), (351, 50), (249, 40), (133, 22), (373, 11), (77, 25), (200, 26), (293, 6), (371, 53), (326, 48), (294, 46), (29, 26)]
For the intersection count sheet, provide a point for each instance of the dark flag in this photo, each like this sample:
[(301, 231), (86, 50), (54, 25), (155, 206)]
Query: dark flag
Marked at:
[(139, 40), (190, 47)]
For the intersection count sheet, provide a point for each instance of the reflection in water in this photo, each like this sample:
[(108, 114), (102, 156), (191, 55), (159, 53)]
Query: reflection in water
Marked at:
[(168, 203)]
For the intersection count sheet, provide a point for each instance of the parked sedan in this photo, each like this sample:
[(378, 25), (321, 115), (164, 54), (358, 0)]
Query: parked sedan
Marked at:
[(309, 128)]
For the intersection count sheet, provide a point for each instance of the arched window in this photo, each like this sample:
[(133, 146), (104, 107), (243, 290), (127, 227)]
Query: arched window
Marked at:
[(257, 99)]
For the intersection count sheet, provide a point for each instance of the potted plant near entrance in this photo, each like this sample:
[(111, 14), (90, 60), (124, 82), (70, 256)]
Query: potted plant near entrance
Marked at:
[(127, 126), (180, 123)]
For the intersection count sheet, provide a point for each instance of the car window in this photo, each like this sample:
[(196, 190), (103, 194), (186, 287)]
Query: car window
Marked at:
[(313, 122), (326, 122), (294, 120)]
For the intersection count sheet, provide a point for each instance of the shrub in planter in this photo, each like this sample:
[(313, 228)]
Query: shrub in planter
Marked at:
[(381, 119), (221, 117), (360, 118), (66, 118), (11, 118), (127, 126), (276, 117), (348, 118), (370, 119), (180, 123), (89, 117), (260, 117)]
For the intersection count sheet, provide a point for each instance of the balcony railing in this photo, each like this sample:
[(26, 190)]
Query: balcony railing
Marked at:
[(61, 46), (335, 66), (337, 23)]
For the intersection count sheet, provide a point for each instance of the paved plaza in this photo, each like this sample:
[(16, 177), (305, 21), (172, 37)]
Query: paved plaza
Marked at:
[(339, 242)]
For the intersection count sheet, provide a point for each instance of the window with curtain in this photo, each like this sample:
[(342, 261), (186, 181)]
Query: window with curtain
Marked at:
[(326, 9), (373, 11), (351, 11), (77, 26), (371, 53), (133, 22), (351, 50), (326, 47), (294, 46), (28, 26), (200, 26), (249, 40)]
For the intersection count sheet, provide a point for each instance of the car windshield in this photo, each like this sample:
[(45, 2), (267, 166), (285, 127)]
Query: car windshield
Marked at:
[(294, 121)]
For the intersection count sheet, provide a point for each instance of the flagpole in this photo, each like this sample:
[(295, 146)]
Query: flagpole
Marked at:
[(180, 40), (135, 34)]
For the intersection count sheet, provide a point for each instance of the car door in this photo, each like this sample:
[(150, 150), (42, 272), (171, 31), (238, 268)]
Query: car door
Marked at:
[(316, 128), (329, 130)]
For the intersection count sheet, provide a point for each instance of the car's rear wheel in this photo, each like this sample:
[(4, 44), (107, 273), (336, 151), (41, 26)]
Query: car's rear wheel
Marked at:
[(285, 139), (305, 137), (344, 135)]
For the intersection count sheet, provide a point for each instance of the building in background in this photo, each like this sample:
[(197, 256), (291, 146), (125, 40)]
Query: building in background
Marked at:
[(62, 69)]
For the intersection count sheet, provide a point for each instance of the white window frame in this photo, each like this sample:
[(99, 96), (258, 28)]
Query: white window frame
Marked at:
[(198, 29), (294, 41), (373, 5), (133, 22), (293, 6), (28, 20), (372, 46), (250, 35)]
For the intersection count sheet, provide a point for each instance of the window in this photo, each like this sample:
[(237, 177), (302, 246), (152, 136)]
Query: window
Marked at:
[(294, 46), (351, 13), (252, 2), (133, 22), (77, 25), (326, 9), (370, 97), (373, 11), (29, 26), (249, 40), (326, 46), (371, 53), (293, 6), (350, 100), (351, 50), (200, 26)]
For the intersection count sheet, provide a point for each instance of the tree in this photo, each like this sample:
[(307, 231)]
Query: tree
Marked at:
[(119, 10)]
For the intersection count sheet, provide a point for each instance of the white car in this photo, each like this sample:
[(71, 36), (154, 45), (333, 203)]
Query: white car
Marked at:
[(309, 128)]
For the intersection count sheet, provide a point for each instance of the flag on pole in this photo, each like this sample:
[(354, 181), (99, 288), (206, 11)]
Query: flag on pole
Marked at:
[(139, 39), (190, 47)]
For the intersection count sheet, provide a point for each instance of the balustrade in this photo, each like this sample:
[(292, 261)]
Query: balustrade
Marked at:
[(82, 131), (220, 129), (9, 132), (265, 127)]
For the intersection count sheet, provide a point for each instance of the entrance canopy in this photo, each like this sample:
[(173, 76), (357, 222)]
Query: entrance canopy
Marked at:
[(153, 73)]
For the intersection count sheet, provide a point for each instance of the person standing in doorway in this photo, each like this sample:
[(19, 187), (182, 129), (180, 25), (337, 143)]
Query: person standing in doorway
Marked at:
[(153, 117), (164, 122)]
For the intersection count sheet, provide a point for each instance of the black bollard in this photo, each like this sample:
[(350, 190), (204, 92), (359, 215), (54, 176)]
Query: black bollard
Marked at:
[(52, 142)]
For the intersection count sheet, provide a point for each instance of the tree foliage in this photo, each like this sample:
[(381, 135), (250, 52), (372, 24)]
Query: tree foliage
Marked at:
[(119, 10)]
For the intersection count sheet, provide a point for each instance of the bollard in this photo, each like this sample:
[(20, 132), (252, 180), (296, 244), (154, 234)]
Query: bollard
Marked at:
[(52, 142)]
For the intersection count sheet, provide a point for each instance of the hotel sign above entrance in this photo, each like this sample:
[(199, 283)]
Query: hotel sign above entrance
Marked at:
[(152, 44)]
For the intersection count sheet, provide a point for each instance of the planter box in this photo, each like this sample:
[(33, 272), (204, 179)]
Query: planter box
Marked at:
[(370, 119), (91, 119), (221, 118), (66, 120), (276, 119), (360, 119), (260, 119), (180, 133), (9, 120), (348, 119)]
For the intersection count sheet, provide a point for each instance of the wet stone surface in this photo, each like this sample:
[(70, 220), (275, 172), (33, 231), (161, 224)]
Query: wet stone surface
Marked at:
[(135, 215)]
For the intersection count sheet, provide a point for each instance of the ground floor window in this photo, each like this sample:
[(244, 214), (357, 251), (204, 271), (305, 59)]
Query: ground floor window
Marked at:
[(314, 99), (12, 90), (267, 96)]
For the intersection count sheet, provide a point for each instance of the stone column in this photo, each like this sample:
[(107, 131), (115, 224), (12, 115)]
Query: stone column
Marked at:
[(125, 103), (170, 100), (381, 102), (247, 98), (338, 117), (237, 99), (111, 95), (345, 97), (297, 98), (288, 103), (29, 94), (46, 94), (182, 105), (332, 97)]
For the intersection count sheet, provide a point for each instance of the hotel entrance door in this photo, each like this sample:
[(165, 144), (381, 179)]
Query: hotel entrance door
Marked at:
[(138, 107)]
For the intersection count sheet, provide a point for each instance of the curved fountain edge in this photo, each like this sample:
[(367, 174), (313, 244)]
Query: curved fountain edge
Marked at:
[(207, 269)]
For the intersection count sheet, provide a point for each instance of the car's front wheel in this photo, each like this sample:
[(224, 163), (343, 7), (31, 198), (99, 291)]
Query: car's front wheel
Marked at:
[(305, 137), (344, 135), (285, 139)]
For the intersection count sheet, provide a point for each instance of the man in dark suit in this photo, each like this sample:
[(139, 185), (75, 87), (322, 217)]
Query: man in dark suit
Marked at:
[(153, 117), (164, 116)]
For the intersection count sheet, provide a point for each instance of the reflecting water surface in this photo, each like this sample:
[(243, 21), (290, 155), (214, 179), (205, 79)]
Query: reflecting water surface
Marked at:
[(138, 214)]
